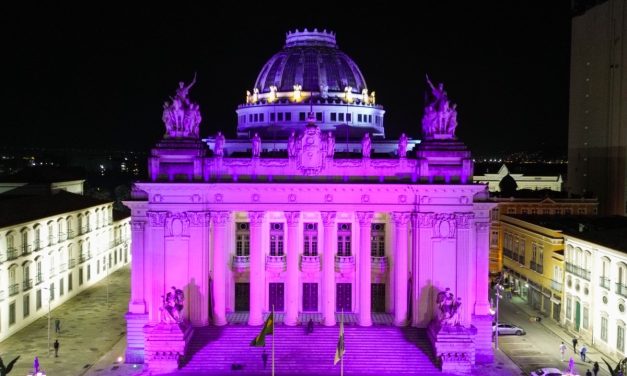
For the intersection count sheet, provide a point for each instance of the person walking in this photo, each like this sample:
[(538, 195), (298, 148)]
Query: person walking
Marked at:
[(588, 373), (595, 368), (562, 350), (264, 358), (575, 345), (56, 348), (583, 352), (57, 325)]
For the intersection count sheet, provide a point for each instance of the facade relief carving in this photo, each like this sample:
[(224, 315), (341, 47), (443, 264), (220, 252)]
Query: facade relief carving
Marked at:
[(328, 218), (292, 217), (138, 225), (312, 151), (444, 226), (400, 218), (365, 218), (176, 224), (220, 218), (463, 219), (425, 219), (198, 218), (255, 218), (157, 218)]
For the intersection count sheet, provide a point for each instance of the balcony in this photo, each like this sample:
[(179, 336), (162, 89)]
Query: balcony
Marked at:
[(621, 289), (84, 230), (14, 289), (82, 259), (579, 272), (27, 285), (276, 263), (71, 263), (38, 245), (310, 263), (11, 254), (51, 240), (39, 279), (62, 237), (508, 253), (604, 282), (70, 234), (344, 263), (557, 286), (26, 249), (62, 267), (241, 263), (379, 264), (536, 267)]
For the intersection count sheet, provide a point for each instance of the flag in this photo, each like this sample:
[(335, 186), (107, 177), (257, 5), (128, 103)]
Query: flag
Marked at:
[(339, 353), (268, 326)]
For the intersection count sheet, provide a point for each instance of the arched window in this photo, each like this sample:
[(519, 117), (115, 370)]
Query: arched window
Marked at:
[(579, 257), (37, 241), (60, 230), (27, 281), (14, 287), (80, 223), (38, 276), (97, 218), (25, 248), (69, 227)]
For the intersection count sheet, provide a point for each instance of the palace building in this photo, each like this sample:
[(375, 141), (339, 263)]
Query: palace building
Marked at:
[(309, 228)]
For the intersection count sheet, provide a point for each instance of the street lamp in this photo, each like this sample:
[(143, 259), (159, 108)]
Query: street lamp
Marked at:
[(498, 289), (49, 299)]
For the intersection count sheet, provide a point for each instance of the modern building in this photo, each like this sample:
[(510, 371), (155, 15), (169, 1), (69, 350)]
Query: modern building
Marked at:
[(597, 133), (535, 181), (52, 247), (534, 204), (309, 231), (596, 282)]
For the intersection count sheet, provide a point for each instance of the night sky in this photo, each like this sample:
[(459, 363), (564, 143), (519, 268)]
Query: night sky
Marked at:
[(97, 78)]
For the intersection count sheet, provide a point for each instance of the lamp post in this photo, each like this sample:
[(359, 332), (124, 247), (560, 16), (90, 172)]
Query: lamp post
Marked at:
[(498, 289), (47, 289)]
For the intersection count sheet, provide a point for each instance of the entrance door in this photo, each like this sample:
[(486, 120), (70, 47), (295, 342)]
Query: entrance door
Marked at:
[(276, 296), (377, 297), (556, 311), (242, 296), (577, 315), (310, 297), (343, 297)]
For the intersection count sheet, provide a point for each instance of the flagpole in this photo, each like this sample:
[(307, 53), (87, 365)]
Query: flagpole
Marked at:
[(343, 345), (273, 334)]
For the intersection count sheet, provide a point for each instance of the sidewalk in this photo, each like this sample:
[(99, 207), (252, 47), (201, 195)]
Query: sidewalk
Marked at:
[(89, 329), (565, 335)]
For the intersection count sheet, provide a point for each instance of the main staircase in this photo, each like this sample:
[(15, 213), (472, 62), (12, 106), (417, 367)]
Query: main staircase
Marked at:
[(376, 350)]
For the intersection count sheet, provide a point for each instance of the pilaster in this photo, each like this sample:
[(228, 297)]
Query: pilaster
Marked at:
[(257, 273), (328, 267), (365, 266), (292, 218)]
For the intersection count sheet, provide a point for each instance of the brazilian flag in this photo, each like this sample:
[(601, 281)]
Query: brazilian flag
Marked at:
[(268, 328)]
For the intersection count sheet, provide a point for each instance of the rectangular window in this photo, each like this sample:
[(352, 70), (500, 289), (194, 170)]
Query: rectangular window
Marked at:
[(377, 240), (524, 211), (310, 239), (89, 270), (620, 338), (359, 118), (581, 211), (569, 307), (280, 116), (256, 118), (348, 117), (534, 211), (333, 116), (341, 116), (26, 305), (250, 118), (288, 116), (344, 239), (511, 210), (585, 317), (558, 211), (242, 239), (261, 117), (51, 288), (61, 292), (370, 119), (12, 314), (318, 116), (494, 239), (272, 116), (80, 276), (69, 282), (604, 328), (568, 211), (301, 116), (276, 239), (38, 300)]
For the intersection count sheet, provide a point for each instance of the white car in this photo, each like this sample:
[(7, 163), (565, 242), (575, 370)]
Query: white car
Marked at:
[(505, 329), (547, 372)]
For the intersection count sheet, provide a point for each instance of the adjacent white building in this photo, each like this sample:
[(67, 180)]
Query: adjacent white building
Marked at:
[(534, 182), (52, 247), (596, 283)]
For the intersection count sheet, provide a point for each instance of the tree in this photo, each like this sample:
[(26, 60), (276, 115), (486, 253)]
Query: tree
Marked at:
[(508, 186), (5, 370), (620, 367)]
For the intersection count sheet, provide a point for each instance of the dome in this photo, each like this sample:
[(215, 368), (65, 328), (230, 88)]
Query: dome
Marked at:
[(313, 60)]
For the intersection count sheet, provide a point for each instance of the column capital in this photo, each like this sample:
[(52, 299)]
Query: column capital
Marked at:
[(220, 218), (328, 218), (255, 218), (292, 217), (198, 218), (425, 219), (463, 219), (138, 225), (365, 218), (400, 218), (157, 218)]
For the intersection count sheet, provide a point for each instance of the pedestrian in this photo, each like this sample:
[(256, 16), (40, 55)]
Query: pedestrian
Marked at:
[(575, 345), (310, 326), (264, 358), (583, 352), (57, 326), (56, 348), (562, 350), (595, 368), (588, 373)]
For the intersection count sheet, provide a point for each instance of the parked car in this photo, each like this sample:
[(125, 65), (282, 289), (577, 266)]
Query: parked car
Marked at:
[(505, 329), (547, 372)]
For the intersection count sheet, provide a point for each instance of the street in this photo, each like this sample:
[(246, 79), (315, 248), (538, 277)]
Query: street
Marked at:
[(540, 346)]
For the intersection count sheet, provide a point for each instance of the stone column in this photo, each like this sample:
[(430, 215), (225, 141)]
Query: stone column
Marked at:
[(465, 266), (328, 266), (482, 305), (137, 302), (292, 219), (257, 269), (156, 276), (400, 268), (423, 274), (220, 219), (365, 266), (198, 266)]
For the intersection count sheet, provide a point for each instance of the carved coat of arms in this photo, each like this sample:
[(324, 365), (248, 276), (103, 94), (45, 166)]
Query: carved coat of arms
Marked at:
[(311, 158)]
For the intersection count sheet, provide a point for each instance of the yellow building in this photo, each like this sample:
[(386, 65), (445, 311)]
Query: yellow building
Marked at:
[(533, 261)]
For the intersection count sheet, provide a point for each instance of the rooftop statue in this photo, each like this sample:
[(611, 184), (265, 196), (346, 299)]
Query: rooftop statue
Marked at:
[(366, 146), (291, 145), (448, 312), (181, 116), (330, 145), (219, 145), (402, 146), (256, 145), (440, 118), (172, 306)]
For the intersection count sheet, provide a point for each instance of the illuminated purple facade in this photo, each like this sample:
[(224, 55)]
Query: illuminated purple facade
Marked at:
[(307, 229)]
